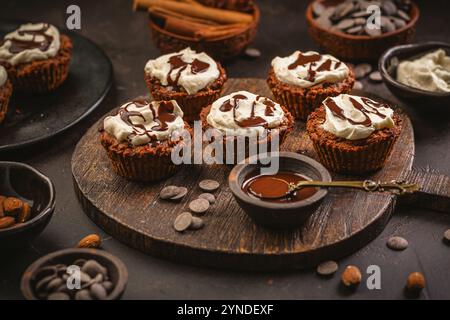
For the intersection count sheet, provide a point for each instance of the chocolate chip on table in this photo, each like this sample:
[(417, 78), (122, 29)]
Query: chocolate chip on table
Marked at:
[(327, 268), (415, 282), (209, 185), (397, 243), (197, 223), (362, 70), (169, 192), (358, 85), (351, 276), (375, 76), (182, 191), (199, 205), (182, 222), (208, 196), (252, 53), (447, 236)]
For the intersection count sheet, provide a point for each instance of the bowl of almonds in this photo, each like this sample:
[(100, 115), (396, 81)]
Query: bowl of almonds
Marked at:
[(27, 202), (361, 30)]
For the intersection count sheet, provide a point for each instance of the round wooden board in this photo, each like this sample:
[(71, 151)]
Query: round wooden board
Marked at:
[(133, 213)]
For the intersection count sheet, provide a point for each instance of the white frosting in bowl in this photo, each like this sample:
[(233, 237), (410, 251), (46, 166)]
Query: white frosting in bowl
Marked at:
[(188, 69), (140, 122), (31, 42), (353, 117), (430, 72), (3, 76), (306, 69), (244, 114)]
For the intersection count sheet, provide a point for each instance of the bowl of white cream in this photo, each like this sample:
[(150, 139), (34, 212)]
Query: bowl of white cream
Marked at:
[(419, 73)]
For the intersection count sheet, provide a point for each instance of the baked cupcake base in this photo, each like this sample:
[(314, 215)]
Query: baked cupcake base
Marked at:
[(282, 131), (5, 94), (141, 163), (191, 104), (42, 75), (302, 101), (351, 156)]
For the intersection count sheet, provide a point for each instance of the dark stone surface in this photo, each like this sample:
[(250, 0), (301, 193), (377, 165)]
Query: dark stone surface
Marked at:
[(125, 38)]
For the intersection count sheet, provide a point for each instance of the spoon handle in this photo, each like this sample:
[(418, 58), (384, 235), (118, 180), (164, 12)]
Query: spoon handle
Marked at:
[(394, 187)]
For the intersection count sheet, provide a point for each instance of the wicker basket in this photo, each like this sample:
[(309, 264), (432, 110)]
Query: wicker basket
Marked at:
[(360, 47), (220, 49)]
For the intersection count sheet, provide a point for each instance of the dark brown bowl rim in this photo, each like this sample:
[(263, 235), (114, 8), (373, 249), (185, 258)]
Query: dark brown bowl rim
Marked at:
[(49, 208), (236, 188), (414, 17), (256, 14), (392, 52), (119, 288)]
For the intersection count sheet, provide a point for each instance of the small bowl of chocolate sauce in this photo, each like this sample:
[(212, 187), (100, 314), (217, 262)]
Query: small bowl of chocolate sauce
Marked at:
[(265, 197)]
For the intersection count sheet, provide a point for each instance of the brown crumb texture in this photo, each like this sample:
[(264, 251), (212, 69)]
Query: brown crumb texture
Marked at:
[(5, 94)]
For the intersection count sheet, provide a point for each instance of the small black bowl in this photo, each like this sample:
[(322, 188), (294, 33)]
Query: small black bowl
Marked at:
[(389, 62), (26, 183), (117, 271), (279, 215)]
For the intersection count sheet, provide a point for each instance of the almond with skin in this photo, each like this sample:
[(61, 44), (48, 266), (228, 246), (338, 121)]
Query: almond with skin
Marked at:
[(7, 222), (90, 241), (25, 214), (12, 206)]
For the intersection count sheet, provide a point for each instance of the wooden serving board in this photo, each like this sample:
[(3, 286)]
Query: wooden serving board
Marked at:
[(133, 213)]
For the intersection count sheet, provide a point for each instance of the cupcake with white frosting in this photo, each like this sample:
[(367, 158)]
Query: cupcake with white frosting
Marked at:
[(193, 79), (140, 136), (36, 57), (244, 114), (5, 93), (303, 80), (353, 134)]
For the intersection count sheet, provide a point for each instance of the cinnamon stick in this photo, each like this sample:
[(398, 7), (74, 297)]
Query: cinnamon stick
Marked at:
[(161, 12), (197, 11)]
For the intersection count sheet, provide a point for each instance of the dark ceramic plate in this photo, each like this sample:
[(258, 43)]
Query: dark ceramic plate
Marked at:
[(34, 118), (388, 68)]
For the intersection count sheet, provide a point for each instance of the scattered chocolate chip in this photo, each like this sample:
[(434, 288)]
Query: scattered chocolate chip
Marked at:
[(199, 205), (327, 268), (362, 70), (209, 185), (208, 196), (197, 223), (375, 76), (447, 236), (351, 276), (358, 85), (182, 192), (253, 52), (169, 192), (397, 243), (182, 222)]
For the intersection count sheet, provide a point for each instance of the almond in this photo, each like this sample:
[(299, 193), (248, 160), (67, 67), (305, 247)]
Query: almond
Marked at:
[(7, 222), (90, 241), (12, 206), (25, 214), (416, 281), (351, 276)]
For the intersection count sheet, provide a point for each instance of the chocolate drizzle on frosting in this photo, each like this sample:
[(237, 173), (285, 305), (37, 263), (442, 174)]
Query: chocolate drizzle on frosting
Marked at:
[(311, 60), (252, 120), (369, 106), (177, 63), (19, 45), (165, 115)]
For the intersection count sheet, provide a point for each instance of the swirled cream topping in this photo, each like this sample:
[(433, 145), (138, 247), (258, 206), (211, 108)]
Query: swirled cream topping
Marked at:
[(188, 69), (31, 42), (306, 69), (3, 76), (243, 113), (140, 122), (353, 117), (430, 72)]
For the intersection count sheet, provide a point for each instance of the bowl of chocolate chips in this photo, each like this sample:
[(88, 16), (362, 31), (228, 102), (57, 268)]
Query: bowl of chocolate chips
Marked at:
[(361, 30)]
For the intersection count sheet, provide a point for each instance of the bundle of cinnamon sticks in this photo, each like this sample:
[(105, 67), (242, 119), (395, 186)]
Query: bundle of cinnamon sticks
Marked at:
[(190, 18)]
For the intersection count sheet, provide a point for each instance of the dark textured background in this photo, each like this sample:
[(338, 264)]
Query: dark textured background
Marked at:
[(126, 39)]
